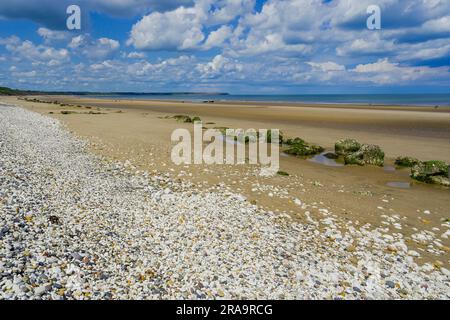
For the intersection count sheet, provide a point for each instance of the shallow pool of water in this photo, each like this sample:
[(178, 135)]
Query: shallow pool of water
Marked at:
[(321, 159), (397, 184), (389, 168)]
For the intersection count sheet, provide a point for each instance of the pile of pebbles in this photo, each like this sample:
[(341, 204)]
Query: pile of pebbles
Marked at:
[(76, 226)]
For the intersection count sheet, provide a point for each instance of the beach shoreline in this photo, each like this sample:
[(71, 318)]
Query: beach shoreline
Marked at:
[(350, 209), (109, 231), (402, 131), (139, 132)]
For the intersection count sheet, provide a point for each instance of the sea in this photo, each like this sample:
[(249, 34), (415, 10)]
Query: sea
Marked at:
[(434, 100)]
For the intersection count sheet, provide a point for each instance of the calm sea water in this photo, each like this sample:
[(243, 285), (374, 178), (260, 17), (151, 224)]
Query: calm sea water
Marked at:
[(374, 99)]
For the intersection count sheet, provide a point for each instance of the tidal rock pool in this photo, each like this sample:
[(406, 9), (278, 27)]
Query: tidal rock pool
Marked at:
[(322, 159), (397, 184)]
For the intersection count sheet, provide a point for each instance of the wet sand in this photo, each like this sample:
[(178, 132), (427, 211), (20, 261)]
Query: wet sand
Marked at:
[(140, 133), (422, 132)]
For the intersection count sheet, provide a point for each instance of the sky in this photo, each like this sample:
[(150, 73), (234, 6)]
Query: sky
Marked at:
[(234, 46)]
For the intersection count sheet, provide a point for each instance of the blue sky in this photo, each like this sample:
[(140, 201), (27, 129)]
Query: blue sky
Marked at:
[(236, 46)]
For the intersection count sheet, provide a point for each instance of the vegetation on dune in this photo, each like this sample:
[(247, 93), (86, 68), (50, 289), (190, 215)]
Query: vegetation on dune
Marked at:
[(5, 91)]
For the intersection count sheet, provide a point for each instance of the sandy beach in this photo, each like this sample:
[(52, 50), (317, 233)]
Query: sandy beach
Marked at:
[(396, 128), (335, 201), (222, 157), (139, 132)]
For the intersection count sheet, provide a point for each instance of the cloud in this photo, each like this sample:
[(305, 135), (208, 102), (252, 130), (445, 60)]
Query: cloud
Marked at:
[(94, 48), (180, 29), (52, 13), (185, 27), (385, 72), (218, 37), (29, 74), (424, 51), (136, 55), (380, 66), (214, 43), (327, 66), (52, 35), (370, 45), (37, 53), (218, 66), (102, 66), (224, 11), (177, 68)]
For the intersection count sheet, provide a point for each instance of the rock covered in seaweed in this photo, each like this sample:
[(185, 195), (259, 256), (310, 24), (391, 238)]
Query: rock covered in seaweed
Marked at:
[(434, 172), (359, 154), (368, 154), (346, 146), (441, 180), (300, 147), (294, 141), (406, 162)]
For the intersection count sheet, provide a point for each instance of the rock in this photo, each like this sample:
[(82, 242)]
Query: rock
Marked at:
[(54, 219), (402, 247), (356, 289), (183, 118), (359, 154), (406, 162), (76, 256), (294, 141), (367, 155), (346, 146), (403, 292), (39, 291), (440, 180), (413, 253), (434, 172), (390, 284), (392, 248), (302, 148), (3, 232)]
